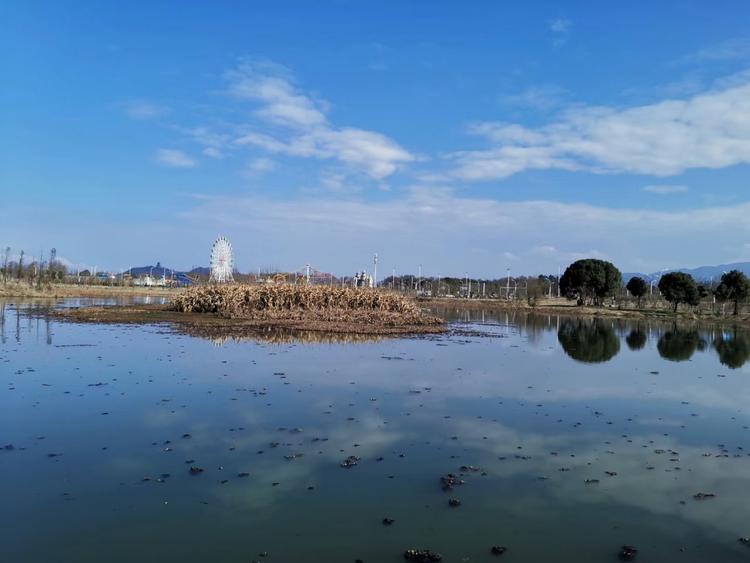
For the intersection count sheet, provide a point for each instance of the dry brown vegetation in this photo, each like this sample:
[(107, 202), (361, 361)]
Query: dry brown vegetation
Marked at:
[(310, 303)]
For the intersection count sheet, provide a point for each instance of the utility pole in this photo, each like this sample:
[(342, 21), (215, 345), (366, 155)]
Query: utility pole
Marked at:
[(393, 278), (558, 281), (419, 283), (307, 273), (375, 271)]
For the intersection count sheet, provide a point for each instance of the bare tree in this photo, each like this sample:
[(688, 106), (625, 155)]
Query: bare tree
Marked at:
[(19, 270), (6, 257)]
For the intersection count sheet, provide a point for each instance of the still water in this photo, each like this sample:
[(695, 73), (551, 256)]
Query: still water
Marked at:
[(581, 435)]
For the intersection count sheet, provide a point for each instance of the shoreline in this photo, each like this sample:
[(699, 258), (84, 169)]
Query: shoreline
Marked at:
[(564, 307), (57, 291), (162, 314)]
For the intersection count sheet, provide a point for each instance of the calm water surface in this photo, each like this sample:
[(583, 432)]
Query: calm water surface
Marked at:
[(103, 423)]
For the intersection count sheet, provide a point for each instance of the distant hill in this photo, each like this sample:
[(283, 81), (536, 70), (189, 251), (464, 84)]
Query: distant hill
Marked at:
[(702, 273), (159, 271)]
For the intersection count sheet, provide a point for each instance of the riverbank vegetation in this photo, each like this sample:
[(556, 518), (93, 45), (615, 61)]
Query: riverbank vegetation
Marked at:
[(237, 310), (298, 302)]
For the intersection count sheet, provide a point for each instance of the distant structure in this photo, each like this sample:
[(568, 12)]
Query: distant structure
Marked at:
[(363, 279), (222, 261)]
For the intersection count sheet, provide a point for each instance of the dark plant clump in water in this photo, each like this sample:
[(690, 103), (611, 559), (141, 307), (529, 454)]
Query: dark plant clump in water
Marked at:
[(498, 549), (350, 461), (628, 553), (422, 555), (450, 481)]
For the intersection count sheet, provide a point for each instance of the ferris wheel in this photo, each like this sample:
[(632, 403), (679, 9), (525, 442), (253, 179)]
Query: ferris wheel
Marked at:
[(222, 261)]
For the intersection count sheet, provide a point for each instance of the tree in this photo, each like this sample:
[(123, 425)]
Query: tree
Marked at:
[(20, 267), (590, 279), (734, 287), (678, 287), (637, 288)]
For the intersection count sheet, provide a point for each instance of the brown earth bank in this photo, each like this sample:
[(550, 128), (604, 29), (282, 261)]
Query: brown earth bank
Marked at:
[(569, 308), (237, 308), (214, 323)]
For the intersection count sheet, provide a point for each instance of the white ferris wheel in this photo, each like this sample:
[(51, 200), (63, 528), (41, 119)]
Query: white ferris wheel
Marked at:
[(222, 261)]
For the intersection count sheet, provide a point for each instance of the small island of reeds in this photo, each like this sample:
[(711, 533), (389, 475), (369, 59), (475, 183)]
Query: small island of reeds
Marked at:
[(298, 307)]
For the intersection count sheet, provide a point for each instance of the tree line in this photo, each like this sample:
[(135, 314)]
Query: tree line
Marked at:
[(36, 271), (592, 282)]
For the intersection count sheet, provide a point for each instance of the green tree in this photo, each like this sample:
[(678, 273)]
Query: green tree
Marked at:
[(734, 287), (678, 287), (637, 288), (590, 280)]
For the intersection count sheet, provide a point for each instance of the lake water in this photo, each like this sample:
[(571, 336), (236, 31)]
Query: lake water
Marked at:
[(103, 422)]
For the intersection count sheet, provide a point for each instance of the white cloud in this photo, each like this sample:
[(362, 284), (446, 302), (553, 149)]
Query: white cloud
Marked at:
[(710, 130), (560, 29), (302, 127), (141, 109), (212, 152), (441, 225), (665, 189), (560, 25), (731, 49), (541, 98), (174, 158), (259, 166)]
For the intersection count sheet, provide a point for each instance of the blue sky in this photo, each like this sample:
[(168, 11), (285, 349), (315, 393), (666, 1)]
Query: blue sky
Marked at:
[(465, 138)]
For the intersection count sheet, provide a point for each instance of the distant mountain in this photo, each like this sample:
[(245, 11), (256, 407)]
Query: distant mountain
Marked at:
[(157, 270), (702, 273)]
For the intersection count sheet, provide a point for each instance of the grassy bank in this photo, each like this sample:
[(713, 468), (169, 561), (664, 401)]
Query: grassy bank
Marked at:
[(561, 306), (15, 289)]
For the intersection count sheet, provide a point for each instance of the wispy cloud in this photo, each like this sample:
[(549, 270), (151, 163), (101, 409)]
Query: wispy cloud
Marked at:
[(560, 28), (731, 49), (260, 165), (299, 125), (665, 189), (143, 109), (540, 98), (501, 230), (708, 130), (174, 158)]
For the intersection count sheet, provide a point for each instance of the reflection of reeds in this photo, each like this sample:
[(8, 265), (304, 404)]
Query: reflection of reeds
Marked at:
[(309, 303), (219, 336)]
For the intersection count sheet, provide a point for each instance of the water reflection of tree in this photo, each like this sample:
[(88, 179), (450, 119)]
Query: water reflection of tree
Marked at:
[(589, 341), (636, 339), (733, 348), (679, 345)]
